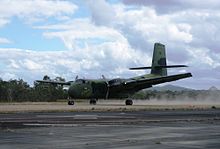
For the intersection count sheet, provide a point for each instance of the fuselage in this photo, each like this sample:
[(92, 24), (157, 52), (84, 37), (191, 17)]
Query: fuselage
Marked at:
[(84, 89)]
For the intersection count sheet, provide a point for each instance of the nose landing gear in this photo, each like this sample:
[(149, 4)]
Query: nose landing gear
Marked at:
[(128, 102)]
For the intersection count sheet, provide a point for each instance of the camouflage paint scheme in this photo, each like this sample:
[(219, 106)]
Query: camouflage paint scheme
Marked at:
[(122, 88)]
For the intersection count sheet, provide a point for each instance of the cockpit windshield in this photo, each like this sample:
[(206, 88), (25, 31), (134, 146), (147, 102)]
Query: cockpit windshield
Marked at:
[(81, 81)]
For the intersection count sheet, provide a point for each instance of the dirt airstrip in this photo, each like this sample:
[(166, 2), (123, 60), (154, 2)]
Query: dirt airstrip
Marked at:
[(102, 105)]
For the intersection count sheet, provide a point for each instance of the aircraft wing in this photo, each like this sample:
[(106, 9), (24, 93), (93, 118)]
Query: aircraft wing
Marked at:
[(54, 82), (155, 80)]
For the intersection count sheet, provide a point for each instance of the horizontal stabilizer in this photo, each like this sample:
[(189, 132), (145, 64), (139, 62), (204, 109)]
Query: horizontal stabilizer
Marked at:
[(158, 67)]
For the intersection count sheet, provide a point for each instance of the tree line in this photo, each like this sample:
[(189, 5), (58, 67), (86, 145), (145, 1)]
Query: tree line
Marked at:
[(20, 91)]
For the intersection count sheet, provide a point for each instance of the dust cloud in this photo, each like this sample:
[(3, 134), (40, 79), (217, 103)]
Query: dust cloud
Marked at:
[(179, 101)]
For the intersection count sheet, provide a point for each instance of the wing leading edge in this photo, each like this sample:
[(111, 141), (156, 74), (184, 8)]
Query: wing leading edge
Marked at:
[(54, 82)]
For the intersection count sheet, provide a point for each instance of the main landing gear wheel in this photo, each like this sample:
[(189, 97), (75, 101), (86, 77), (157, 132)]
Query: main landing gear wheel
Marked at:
[(129, 102), (92, 101), (71, 102)]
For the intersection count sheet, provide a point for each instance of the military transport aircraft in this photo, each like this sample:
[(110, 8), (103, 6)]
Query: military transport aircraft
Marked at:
[(95, 89)]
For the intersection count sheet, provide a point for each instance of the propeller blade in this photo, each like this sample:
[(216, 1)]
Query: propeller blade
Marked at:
[(107, 84), (76, 77), (107, 93), (103, 77)]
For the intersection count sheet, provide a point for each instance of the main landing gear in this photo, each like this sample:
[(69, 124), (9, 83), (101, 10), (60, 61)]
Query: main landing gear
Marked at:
[(70, 102), (92, 101), (128, 102)]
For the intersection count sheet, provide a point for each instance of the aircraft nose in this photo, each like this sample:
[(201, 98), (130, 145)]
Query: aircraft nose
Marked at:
[(73, 91)]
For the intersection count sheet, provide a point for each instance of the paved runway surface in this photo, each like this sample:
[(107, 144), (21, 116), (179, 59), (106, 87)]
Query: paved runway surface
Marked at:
[(141, 129)]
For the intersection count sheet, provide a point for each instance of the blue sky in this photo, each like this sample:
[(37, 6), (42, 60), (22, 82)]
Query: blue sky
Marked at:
[(94, 37), (23, 36)]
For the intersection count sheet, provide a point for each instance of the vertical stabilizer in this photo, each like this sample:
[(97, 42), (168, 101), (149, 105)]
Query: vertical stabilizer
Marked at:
[(159, 59)]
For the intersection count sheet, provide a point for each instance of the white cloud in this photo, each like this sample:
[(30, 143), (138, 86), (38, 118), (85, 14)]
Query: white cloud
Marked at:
[(31, 65), (3, 22), (8, 76), (202, 58), (83, 31), (13, 64), (87, 62), (4, 41), (102, 12), (35, 10), (142, 27), (171, 6), (175, 33)]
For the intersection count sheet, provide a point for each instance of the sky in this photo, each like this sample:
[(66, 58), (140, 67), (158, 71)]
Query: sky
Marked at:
[(91, 38)]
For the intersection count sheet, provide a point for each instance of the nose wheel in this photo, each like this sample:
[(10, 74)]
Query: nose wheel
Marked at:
[(129, 102)]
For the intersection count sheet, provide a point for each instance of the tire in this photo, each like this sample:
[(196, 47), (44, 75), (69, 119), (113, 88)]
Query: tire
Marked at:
[(71, 102), (128, 102), (92, 102)]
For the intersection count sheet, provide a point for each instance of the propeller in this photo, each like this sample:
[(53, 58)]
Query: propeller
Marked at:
[(107, 93), (76, 77), (107, 83)]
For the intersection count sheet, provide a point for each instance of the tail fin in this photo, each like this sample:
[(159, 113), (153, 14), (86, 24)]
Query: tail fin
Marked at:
[(159, 59), (159, 63)]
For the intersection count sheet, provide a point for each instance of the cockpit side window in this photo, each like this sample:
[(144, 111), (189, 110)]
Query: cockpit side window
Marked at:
[(79, 81)]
